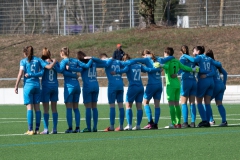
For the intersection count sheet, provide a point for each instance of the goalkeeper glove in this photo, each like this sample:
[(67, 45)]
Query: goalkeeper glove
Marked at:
[(195, 69), (157, 65)]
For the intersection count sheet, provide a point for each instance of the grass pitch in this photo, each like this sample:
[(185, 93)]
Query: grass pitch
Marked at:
[(197, 143)]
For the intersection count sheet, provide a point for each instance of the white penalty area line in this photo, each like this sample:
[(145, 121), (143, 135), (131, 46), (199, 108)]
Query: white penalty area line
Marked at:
[(8, 135)]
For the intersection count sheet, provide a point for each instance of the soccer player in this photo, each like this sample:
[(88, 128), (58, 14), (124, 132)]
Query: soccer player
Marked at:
[(188, 89), (171, 68), (220, 86), (115, 89), (32, 68), (90, 91), (135, 90), (71, 89), (153, 88), (50, 91), (205, 85)]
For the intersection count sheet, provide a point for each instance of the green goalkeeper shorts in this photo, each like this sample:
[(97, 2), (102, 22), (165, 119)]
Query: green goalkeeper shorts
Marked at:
[(173, 94)]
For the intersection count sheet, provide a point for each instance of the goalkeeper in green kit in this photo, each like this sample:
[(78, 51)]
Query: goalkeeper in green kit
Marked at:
[(171, 69)]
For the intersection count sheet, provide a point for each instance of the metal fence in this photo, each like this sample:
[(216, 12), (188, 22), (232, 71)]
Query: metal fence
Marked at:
[(66, 17)]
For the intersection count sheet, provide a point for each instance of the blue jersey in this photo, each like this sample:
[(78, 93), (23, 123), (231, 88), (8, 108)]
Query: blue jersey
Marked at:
[(49, 77), (89, 76), (186, 74), (153, 77), (217, 76), (69, 81), (114, 81), (34, 69), (204, 62), (134, 73)]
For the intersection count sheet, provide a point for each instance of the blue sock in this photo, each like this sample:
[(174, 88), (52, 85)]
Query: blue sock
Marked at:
[(185, 113), (208, 112), (157, 115), (69, 117), (193, 112), (77, 117), (148, 112), (38, 119), (222, 112), (129, 116), (112, 115), (202, 112), (95, 117), (121, 116), (139, 116), (55, 120), (88, 117), (45, 120), (30, 119)]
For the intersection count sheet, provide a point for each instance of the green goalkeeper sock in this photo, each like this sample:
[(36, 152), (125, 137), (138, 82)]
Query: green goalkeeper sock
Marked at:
[(178, 114), (172, 114)]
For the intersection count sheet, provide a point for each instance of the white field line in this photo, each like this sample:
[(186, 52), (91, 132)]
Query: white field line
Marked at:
[(8, 135), (108, 118)]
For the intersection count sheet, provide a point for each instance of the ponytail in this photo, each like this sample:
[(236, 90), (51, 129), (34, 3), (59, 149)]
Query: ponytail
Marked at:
[(146, 51), (184, 50), (29, 52), (65, 50)]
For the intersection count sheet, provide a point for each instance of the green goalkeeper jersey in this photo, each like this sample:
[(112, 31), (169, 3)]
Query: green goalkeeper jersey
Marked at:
[(172, 67)]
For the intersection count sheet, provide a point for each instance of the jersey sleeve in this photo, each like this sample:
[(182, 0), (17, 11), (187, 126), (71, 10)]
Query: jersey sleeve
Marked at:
[(224, 72), (100, 63), (76, 69), (150, 70), (69, 74), (57, 68), (84, 65), (163, 60), (124, 70), (185, 68), (63, 65), (42, 63), (192, 59), (139, 60), (22, 64), (216, 63)]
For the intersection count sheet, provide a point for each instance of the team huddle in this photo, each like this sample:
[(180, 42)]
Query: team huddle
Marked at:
[(200, 80)]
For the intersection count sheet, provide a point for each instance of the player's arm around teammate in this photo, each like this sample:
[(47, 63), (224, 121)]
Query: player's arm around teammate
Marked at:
[(219, 89), (173, 86), (188, 89), (153, 88), (49, 91), (30, 66), (115, 89), (205, 86), (90, 91)]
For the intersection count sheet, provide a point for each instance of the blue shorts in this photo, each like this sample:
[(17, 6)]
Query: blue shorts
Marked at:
[(218, 92), (153, 91), (71, 94), (90, 96), (135, 93), (49, 94), (31, 95), (188, 88), (115, 95), (205, 87)]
